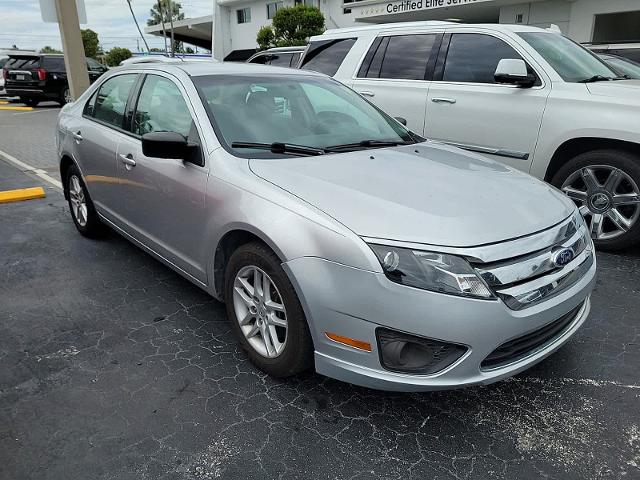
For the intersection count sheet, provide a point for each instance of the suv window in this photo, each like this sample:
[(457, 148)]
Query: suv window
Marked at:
[(53, 63), (474, 58), (281, 59), (111, 99), (400, 57), (18, 63), (326, 56), (95, 66), (161, 108)]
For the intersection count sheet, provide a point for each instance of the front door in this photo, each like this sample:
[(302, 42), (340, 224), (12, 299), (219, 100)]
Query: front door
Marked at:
[(467, 108), (163, 199)]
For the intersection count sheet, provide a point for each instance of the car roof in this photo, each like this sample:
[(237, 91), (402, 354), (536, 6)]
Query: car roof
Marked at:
[(284, 49), (386, 27), (197, 69)]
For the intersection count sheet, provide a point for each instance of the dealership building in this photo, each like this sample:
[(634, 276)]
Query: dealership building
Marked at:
[(234, 24)]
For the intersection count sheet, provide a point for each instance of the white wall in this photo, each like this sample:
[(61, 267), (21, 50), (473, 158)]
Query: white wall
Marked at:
[(583, 14), (539, 14)]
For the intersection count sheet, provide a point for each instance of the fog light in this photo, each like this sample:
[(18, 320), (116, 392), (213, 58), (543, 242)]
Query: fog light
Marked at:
[(400, 352)]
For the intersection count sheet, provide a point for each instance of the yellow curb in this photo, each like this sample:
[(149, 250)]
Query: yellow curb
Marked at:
[(21, 194), (21, 109), (2, 102)]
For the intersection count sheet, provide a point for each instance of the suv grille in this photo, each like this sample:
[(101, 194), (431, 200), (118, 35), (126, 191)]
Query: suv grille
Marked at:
[(520, 347)]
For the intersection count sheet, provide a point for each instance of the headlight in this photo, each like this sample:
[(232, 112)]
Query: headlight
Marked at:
[(437, 272)]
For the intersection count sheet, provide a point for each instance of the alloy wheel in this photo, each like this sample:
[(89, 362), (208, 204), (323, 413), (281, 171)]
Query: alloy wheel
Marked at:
[(67, 96), (77, 200), (260, 311), (607, 197)]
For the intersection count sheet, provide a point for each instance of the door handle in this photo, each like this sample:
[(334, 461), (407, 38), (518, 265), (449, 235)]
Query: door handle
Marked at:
[(77, 136), (128, 160), (444, 100), (367, 93)]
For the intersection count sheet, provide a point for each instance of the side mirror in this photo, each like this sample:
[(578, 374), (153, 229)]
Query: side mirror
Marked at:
[(170, 145), (513, 71), (401, 120)]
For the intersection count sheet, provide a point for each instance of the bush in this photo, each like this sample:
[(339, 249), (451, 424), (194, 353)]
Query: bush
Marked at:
[(291, 26), (117, 55)]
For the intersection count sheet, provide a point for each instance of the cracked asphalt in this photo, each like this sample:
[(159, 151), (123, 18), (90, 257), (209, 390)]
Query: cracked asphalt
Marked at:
[(114, 367)]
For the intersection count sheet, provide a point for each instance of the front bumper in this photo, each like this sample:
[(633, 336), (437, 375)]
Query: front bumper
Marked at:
[(353, 303)]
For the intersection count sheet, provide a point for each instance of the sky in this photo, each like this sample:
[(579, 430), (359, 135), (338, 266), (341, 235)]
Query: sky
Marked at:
[(22, 25)]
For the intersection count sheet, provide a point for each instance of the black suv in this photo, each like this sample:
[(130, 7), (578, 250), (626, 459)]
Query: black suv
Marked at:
[(39, 77)]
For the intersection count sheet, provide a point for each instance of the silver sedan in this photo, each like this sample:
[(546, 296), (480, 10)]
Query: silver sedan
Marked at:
[(336, 237)]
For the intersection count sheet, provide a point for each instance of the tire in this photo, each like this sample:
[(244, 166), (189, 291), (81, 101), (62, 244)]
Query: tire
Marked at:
[(64, 96), (296, 354), (30, 101), (587, 179), (85, 219)]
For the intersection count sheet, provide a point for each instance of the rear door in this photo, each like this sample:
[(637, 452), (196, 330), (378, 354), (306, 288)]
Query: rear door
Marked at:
[(22, 71), (469, 109), (395, 74), (163, 199), (326, 56), (96, 136)]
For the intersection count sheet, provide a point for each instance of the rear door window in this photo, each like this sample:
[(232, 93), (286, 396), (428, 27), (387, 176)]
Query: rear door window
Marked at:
[(111, 100), (399, 57), (326, 56), (281, 60), (23, 63)]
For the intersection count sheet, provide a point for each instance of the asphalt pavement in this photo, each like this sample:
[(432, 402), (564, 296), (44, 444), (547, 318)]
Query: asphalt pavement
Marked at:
[(114, 367)]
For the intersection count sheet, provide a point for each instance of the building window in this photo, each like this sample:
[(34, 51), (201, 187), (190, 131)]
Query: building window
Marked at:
[(244, 15), (272, 8), (308, 3), (347, 11), (519, 18)]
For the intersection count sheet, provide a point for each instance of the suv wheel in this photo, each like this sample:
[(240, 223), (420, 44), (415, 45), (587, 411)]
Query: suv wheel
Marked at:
[(83, 212), (30, 102), (265, 312), (65, 96), (605, 184)]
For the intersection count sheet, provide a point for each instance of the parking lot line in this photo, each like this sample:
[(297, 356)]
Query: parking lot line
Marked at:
[(20, 109), (21, 194), (25, 167)]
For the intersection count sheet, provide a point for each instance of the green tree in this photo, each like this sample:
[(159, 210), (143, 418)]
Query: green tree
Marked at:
[(117, 55), (91, 43), (265, 37), (48, 49), (164, 11), (291, 26)]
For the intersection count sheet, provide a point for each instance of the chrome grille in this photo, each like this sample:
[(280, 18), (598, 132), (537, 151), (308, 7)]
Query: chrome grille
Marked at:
[(529, 279)]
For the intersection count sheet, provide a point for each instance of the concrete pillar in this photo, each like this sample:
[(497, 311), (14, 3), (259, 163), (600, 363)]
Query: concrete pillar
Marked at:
[(74, 57)]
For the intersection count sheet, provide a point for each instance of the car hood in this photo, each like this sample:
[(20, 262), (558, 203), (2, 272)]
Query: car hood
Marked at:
[(627, 89), (426, 193)]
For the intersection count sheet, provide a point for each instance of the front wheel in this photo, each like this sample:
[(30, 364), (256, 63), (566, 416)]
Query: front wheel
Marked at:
[(30, 101), (605, 185), (265, 312)]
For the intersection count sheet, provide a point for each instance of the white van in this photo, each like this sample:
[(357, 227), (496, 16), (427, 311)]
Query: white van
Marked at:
[(526, 96)]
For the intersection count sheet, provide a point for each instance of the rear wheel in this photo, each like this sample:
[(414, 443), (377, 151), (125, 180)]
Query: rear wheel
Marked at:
[(65, 96), (83, 212), (265, 312), (605, 185), (30, 101)]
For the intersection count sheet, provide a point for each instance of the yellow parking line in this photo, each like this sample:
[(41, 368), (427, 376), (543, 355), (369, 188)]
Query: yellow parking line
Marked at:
[(21, 194), (21, 109)]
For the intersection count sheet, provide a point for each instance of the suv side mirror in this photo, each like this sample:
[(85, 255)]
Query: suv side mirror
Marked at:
[(170, 145), (513, 71)]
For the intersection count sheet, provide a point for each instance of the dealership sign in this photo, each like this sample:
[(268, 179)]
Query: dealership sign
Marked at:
[(404, 6)]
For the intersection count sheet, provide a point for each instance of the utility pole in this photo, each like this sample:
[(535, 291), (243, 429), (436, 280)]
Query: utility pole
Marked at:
[(74, 57)]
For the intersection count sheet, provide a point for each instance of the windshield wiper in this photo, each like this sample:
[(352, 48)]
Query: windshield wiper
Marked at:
[(281, 148), (365, 144), (599, 78)]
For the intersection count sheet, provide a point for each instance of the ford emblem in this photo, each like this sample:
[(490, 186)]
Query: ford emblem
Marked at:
[(562, 257)]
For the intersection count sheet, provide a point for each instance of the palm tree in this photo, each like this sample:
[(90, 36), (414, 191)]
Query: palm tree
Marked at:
[(135, 20), (159, 13)]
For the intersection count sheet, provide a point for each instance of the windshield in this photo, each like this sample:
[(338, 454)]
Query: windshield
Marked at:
[(294, 110), (573, 62), (623, 66)]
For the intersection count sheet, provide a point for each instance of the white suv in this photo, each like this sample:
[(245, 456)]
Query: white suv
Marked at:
[(528, 97)]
